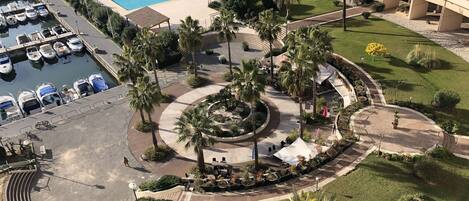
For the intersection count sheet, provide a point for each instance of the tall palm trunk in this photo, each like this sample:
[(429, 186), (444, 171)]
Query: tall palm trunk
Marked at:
[(256, 151), (153, 134), (344, 14), (194, 64), (200, 160), (300, 103), (156, 78), (271, 62), (229, 57), (141, 115), (314, 97)]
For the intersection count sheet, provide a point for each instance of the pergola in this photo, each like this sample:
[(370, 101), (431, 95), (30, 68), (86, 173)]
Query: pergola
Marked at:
[(148, 18)]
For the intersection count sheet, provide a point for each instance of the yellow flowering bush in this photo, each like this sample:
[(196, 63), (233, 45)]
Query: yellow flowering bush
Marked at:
[(376, 49)]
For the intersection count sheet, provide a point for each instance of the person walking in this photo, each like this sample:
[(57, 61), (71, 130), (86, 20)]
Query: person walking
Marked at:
[(126, 162)]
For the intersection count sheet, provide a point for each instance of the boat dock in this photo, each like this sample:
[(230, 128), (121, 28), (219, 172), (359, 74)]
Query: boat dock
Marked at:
[(37, 42), (6, 11)]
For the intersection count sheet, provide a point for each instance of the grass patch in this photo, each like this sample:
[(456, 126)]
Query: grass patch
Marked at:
[(379, 179), (308, 8), (400, 80)]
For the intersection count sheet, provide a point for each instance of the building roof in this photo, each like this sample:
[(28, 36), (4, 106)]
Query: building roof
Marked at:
[(147, 17)]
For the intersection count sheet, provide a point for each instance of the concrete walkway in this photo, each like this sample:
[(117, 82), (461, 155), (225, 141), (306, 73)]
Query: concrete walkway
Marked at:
[(288, 110)]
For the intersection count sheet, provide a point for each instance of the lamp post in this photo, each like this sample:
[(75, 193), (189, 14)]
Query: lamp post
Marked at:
[(133, 187), (317, 183), (155, 74)]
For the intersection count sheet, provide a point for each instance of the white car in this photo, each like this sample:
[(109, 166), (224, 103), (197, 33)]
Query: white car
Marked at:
[(5, 64), (75, 44)]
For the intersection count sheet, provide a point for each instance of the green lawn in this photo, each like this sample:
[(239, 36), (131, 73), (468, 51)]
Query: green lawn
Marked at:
[(382, 180), (308, 8), (415, 84)]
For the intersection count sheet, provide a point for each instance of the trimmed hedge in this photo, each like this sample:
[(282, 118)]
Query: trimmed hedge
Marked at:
[(163, 183), (162, 153)]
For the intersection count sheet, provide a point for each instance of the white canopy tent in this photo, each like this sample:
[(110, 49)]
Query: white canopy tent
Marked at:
[(298, 148)]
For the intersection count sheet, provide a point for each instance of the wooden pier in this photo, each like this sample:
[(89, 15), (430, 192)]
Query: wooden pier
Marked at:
[(37, 42), (6, 11)]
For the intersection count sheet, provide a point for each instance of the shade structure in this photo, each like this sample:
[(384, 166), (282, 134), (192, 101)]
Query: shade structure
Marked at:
[(297, 149)]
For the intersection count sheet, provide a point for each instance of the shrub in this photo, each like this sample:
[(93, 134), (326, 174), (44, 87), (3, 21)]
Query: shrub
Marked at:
[(423, 56), (245, 46), (376, 49), (128, 34), (445, 99), (336, 3), (377, 7), (209, 52), (214, 5), (366, 14), (227, 76), (163, 183), (449, 126), (145, 127), (195, 81), (162, 153), (222, 59), (115, 25), (100, 16), (415, 197), (441, 152)]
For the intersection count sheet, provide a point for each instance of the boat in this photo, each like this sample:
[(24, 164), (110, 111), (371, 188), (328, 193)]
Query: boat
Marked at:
[(5, 64), (83, 87), (33, 54), (11, 20), (46, 33), (98, 83), (61, 49), (29, 103), (75, 44), (35, 36), (59, 29), (31, 13), (69, 94), (22, 39), (9, 110), (49, 96), (47, 51), (42, 11), (13, 6), (3, 22), (21, 17)]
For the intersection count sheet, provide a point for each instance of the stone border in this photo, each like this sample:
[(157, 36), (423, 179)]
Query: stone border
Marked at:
[(247, 135)]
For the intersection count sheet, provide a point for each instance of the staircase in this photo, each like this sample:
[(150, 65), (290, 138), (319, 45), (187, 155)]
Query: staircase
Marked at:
[(18, 187)]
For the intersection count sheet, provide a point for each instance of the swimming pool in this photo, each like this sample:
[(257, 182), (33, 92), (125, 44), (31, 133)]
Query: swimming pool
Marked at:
[(134, 4)]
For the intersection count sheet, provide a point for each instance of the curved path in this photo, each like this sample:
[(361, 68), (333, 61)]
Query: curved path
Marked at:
[(288, 110)]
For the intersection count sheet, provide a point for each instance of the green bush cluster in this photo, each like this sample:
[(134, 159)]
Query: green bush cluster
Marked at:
[(441, 152), (161, 153), (215, 5), (423, 57), (366, 14), (163, 183), (145, 127), (446, 99), (195, 81), (343, 121), (209, 52), (222, 59), (245, 46)]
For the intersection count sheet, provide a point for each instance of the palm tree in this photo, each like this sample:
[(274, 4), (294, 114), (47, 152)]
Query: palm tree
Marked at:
[(226, 26), (130, 69), (268, 28), (190, 38), (144, 96), (307, 49), (248, 84), (286, 4), (195, 128), (149, 51)]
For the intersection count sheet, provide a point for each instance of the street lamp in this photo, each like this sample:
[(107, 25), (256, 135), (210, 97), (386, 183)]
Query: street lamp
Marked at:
[(133, 187), (317, 183)]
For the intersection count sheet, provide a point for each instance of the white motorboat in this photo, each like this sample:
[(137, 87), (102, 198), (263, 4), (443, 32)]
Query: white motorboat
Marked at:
[(13, 6), (11, 20), (3, 22), (49, 96), (29, 103), (9, 110), (61, 49), (5, 64), (33, 54), (42, 11), (31, 13), (75, 44), (46, 33), (59, 29), (22, 39), (47, 51), (83, 87), (35, 36), (21, 17), (98, 83), (69, 94)]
